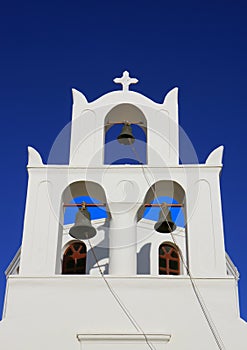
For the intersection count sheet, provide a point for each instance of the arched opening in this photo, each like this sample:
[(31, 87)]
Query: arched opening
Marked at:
[(74, 259), (148, 216), (169, 261), (132, 153), (164, 191), (94, 196)]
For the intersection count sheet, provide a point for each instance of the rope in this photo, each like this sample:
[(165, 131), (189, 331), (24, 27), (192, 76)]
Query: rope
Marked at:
[(120, 303), (200, 300)]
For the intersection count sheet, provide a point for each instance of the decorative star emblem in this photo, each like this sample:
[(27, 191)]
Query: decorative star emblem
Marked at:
[(125, 80)]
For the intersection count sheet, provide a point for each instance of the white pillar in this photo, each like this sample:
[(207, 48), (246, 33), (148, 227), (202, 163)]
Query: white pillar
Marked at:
[(122, 241), (204, 226), (41, 226)]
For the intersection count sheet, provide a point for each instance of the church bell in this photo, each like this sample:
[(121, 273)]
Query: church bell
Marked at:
[(165, 223), (82, 228), (126, 136)]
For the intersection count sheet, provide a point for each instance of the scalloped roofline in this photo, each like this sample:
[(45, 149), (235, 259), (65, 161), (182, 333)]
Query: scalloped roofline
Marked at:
[(120, 96)]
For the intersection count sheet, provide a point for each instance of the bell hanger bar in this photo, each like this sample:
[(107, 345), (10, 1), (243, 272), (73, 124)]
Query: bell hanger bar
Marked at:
[(83, 204), (173, 205), (125, 122), (147, 205)]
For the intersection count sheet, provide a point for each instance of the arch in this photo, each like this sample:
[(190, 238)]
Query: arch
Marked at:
[(170, 192), (116, 153), (164, 191), (83, 188), (88, 191), (74, 259), (93, 193), (169, 261)]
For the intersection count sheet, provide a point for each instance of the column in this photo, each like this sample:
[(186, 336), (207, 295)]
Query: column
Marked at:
[(122, 240)]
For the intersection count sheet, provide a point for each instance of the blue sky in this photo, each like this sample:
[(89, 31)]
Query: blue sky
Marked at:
[(46, 48)]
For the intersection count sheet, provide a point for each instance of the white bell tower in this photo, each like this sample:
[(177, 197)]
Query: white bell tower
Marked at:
[(134, 284)]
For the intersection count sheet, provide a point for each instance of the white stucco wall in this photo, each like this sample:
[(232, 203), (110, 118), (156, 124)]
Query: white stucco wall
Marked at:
[(43, 218), (47, 310)]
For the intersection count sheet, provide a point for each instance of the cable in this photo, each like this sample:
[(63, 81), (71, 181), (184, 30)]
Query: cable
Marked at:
[(120, 303), (201, 302)]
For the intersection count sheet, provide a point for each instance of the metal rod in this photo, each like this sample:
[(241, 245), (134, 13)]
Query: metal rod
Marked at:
[(160, 205), (147, 205), (124, 122), (87, 205)]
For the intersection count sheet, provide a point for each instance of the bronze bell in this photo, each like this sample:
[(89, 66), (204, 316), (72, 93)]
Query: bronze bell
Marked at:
[(165, 223), (126, 137), (82, 228)]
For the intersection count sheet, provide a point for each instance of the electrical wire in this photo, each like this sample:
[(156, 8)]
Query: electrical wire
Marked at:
[(200, 300)]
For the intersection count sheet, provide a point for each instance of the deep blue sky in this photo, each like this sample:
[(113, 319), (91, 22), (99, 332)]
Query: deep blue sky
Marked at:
[(46, 48)]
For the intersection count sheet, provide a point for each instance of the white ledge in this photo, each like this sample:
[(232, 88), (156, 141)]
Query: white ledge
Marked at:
[(51, 278), (127, 337)]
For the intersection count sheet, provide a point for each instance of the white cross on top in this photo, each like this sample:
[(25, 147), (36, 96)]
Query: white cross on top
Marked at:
[(125, 80)]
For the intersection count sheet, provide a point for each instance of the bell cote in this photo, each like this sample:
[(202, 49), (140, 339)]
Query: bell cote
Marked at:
[(124, 157), (96, 125)]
